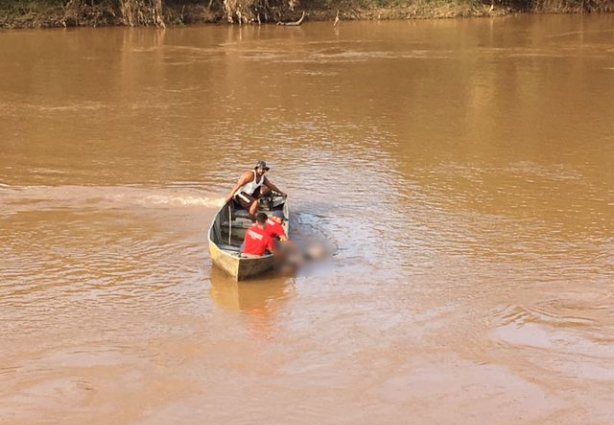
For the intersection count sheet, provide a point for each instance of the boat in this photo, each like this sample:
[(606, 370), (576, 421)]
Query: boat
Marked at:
[(227, 232)]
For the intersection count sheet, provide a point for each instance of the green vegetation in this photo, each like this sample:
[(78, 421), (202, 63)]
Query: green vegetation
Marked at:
[(45, 13)]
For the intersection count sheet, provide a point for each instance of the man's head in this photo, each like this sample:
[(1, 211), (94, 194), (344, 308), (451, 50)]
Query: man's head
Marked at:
[(261, 219), (278, 216), (261, 167)]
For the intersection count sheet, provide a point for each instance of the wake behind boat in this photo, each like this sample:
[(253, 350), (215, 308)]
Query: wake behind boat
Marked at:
[(227, 232)]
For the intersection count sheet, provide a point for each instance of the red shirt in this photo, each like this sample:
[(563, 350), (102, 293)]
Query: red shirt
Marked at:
[(274, 229), (257, 241)]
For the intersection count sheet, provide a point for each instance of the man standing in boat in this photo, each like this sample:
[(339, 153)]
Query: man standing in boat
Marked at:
[(252, 186)]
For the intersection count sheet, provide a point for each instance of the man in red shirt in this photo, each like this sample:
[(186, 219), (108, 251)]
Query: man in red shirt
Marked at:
[(257, 241), (274, 226)]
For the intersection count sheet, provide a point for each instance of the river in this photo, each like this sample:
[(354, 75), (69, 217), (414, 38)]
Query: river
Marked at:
[(461, 172)]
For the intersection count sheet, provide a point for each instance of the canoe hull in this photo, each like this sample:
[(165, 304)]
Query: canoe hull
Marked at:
[(239, 267), (224, 250)]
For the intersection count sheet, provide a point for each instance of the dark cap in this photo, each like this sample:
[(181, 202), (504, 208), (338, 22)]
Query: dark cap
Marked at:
[(279, 214), (262, 164)]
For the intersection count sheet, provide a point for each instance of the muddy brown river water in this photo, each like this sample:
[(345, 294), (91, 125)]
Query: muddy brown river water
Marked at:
[(460, 170)]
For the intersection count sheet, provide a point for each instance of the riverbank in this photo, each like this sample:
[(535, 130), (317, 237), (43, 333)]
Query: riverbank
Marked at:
[(94, 13)]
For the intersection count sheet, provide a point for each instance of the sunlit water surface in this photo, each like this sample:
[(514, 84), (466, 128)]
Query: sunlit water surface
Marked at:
[(461, 171)]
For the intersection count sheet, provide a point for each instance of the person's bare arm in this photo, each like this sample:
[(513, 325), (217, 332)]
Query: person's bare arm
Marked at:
[(274, 188), (243, 180)]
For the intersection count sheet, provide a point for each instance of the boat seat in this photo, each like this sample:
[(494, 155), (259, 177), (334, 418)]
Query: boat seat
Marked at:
[(241, 214), (226, 247), (243, 224)]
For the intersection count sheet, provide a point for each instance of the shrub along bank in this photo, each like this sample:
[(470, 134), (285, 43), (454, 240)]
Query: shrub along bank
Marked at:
[(58, 13)]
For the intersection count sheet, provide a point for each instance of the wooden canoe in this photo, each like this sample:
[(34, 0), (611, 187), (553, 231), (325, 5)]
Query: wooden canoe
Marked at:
[(226, 235)]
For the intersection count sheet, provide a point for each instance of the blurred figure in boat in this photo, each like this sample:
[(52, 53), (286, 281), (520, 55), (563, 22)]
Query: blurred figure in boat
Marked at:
[(257, 242), (253, 185)]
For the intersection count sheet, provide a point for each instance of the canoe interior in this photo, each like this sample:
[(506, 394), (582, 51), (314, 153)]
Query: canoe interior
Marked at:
[(226, 236)]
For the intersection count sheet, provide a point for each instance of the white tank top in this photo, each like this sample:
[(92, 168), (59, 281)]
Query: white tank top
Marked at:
[(251, 187)]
